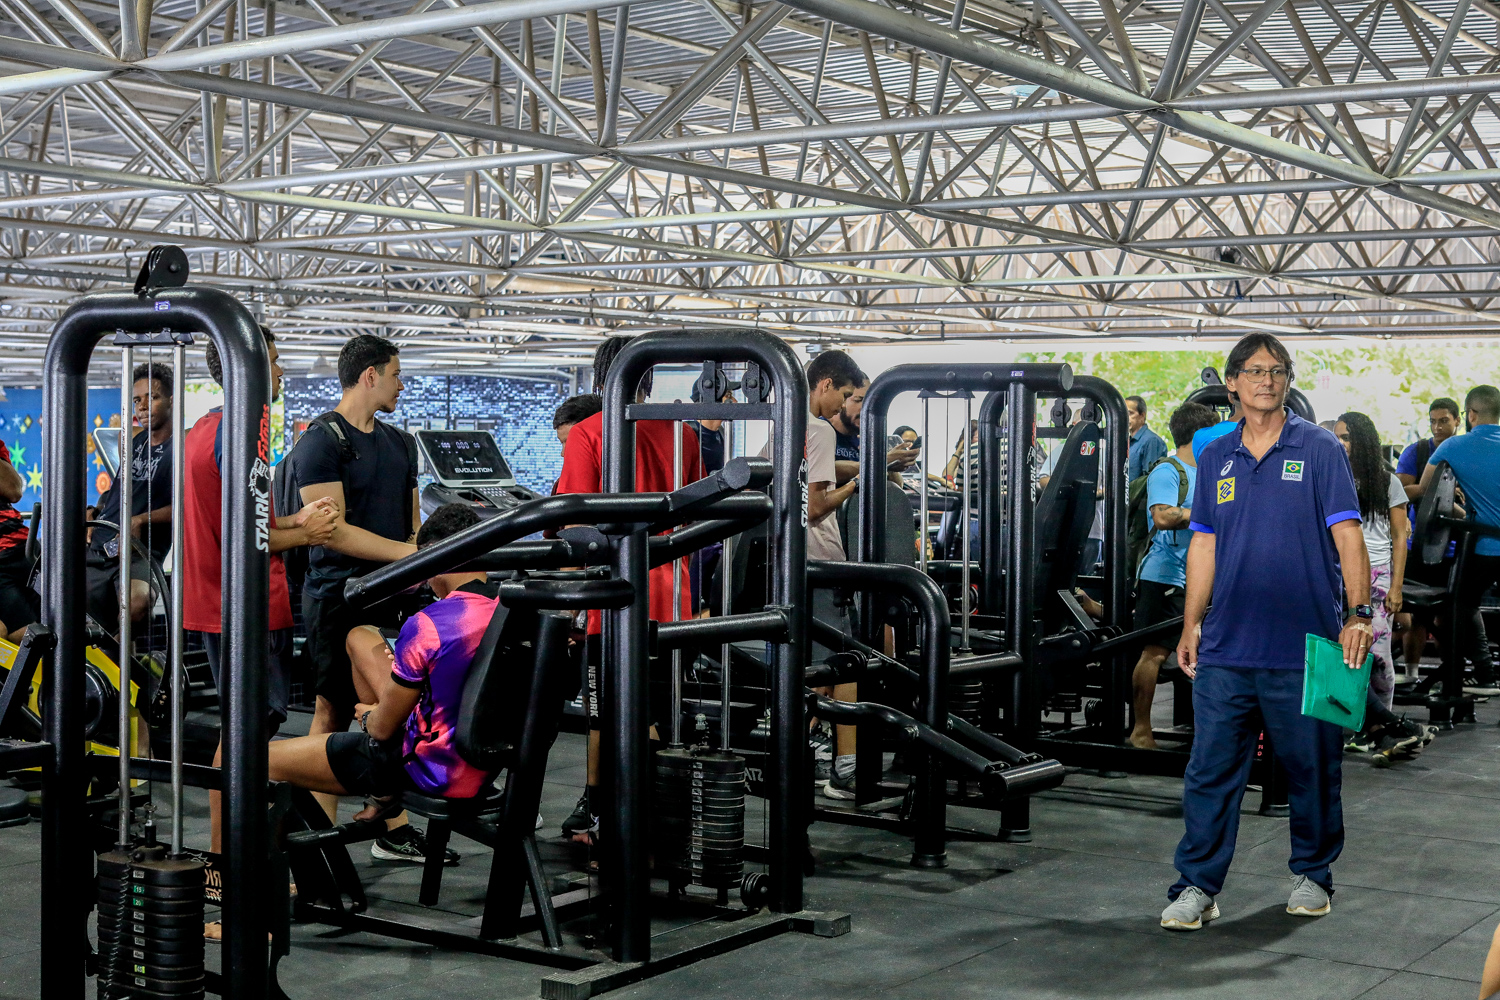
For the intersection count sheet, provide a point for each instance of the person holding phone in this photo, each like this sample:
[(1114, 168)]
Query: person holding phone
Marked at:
[(899, 456)]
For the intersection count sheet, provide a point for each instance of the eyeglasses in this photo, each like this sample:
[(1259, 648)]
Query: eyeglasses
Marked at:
[(1261, 374)]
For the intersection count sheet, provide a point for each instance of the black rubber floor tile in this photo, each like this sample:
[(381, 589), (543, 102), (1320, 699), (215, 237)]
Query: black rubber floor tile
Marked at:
[(1414, 810), (892, 941), (1461, 957), (334, 964), (20, 976), (705, 981), (1410, 986), (1088, 888), (1396, 862), (1416, 925), (1067, 959)]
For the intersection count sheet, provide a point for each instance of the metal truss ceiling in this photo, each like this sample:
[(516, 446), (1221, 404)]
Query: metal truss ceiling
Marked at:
[(498, 185)]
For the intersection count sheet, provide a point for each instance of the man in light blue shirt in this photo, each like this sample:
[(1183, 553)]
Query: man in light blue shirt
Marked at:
[(1475, 460), (1215, 431), (1163, 571), (1146, 446)]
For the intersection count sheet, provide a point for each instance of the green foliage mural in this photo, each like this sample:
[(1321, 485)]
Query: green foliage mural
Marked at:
[(1393, 383)]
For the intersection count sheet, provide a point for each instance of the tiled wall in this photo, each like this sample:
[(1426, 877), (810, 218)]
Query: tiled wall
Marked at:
[(21, 430), (521, 412)]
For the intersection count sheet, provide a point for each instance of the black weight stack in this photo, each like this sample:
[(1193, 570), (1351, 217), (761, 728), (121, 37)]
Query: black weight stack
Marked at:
[(150, 926), (700, 799), (966, 700)]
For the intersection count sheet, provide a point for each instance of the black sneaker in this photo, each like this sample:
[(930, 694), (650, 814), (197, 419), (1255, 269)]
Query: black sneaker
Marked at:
[(1364, 741), (1400, 737), (580, 819), (407, 843)]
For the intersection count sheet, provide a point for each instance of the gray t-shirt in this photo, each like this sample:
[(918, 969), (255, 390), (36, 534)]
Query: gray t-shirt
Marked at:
[(1377, 527)]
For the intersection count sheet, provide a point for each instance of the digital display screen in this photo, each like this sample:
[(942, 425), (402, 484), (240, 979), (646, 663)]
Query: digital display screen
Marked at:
[(459, 455)]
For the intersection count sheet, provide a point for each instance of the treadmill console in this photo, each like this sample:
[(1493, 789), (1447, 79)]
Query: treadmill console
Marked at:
[(467, 467)]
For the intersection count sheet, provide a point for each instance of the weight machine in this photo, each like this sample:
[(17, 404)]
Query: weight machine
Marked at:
[(160, 312), (1435, 527), (625, 543)]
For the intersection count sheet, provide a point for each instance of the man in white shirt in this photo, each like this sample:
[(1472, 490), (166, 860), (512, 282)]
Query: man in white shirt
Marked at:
[(832, 377)]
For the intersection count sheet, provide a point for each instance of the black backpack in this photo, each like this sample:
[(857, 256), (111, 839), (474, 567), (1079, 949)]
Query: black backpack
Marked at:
[(1140, 529), (286, 496)]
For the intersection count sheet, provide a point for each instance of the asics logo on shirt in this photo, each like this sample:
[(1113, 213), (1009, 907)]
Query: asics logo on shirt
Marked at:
[(1227, 466)]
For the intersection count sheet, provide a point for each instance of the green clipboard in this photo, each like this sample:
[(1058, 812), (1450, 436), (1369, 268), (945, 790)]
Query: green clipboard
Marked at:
[(1330, 690)]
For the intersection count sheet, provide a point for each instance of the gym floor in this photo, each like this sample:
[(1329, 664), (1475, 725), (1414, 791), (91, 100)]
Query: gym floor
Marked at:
[(1072, 914)]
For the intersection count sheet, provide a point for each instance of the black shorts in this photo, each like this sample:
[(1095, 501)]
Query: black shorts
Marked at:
[(278, 663), (366, 767), (328, 621), (101, 571), (659, 683), (1158, 602), (19, 604)]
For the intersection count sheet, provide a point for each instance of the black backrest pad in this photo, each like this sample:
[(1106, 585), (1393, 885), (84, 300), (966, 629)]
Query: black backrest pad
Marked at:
[(1065, 510), (488, 728), (507, 682)]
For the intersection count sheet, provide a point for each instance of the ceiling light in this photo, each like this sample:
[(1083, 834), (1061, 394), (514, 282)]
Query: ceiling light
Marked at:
[(322, 368)]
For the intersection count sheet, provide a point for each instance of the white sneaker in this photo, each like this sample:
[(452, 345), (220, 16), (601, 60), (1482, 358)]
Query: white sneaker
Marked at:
[(1190, 910), (1308, 899)]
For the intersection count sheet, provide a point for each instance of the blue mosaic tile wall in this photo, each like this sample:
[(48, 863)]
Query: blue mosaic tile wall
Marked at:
[(21, 430), (520, 409)]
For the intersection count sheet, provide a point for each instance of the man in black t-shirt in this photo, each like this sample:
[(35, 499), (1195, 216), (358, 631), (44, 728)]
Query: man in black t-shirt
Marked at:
[(373, 483), (150, 518)]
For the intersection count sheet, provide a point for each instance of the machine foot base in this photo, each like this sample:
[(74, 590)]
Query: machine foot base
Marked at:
[(1276, 812), (929, 860), (703, 942), (1021, 836)]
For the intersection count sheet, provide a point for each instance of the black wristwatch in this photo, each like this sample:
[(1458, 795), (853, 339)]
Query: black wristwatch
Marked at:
[(1364, 611)]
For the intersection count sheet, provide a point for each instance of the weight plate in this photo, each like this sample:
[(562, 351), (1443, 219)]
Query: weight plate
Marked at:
[(135, 987), (151, 921), (176, 945), (110, 886)]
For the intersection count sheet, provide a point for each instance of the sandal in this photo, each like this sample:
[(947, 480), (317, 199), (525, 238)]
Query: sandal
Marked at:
[(384, 806)]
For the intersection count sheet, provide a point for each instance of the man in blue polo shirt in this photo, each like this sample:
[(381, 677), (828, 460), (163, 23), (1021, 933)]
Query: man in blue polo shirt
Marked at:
[(1475, 460), (1275, 522)]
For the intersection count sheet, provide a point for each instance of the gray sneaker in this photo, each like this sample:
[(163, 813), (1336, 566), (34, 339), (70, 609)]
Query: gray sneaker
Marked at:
[(1190, 910), (1308, 898)]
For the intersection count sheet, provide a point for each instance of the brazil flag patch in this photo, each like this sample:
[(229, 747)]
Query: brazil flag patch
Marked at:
[(1291, 470)]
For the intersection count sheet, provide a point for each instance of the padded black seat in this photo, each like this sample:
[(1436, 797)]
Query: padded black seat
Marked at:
[(489, 801), (1422, 595)]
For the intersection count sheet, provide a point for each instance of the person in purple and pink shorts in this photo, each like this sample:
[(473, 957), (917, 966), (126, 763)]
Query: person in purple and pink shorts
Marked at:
[(408, 701)]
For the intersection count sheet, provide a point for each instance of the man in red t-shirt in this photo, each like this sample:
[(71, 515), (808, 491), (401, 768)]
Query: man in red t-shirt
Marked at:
[(202, 563), (19, 604), (583, 472)]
